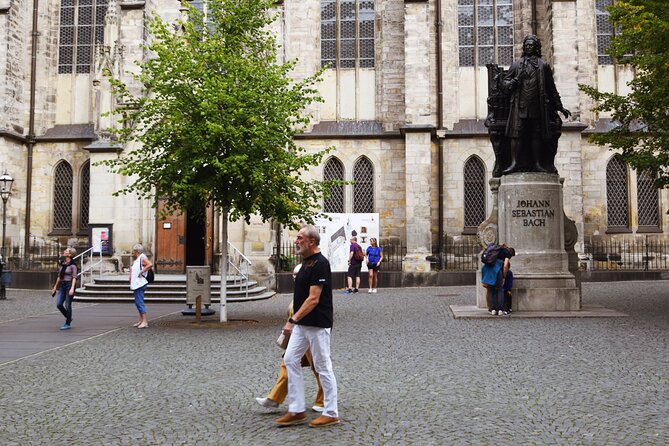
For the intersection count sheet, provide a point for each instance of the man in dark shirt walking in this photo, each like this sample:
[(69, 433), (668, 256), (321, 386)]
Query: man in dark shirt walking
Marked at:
[(310, 329)]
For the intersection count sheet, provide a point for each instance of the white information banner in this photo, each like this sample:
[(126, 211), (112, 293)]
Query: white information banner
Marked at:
[(336, 236)]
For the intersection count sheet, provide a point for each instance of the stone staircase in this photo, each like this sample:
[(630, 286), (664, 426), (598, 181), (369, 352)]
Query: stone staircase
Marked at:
[(167, 288)]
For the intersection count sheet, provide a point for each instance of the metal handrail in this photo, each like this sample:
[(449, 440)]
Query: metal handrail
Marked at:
[(91, 265), (241, 264)]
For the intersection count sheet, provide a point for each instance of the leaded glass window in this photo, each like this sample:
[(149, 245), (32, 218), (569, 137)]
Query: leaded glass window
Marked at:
[(604, 31), (648, 200), (62, 197), (347, 33), (334, 171), (363, 186), (474, 184), (616, 194), (485, 32), (81, 28), (84, 195)]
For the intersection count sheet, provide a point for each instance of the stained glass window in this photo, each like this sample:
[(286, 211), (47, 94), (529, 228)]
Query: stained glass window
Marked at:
[(81, 28), (363, 186), (648, 200), (62, 197), (474, 188), (485, 32), (334, 171), (617, 194), (347, 33)]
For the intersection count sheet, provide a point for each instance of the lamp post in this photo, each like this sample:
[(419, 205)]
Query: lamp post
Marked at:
[(6, 182)]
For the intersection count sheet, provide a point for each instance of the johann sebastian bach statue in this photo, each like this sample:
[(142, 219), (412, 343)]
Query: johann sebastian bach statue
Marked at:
[(523, 120)]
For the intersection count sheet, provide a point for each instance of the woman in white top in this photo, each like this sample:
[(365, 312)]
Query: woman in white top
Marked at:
[(138, 282)]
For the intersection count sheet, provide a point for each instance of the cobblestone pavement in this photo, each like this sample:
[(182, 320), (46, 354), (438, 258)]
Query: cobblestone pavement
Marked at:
[(408, 374)]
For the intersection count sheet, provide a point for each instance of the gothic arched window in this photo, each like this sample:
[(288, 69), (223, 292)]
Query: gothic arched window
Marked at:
[(617, 201), (474, 186), (363, 186), (62, 197), (334, 171), (604, 31), (84, 195), (648, 200)]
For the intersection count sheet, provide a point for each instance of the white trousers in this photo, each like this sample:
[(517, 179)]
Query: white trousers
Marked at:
[(318, 341)]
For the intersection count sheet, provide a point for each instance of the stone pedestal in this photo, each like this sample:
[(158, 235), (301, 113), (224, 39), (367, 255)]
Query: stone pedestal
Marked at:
[(531, 220)]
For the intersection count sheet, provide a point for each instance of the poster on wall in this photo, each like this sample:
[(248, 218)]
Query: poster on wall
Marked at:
[(336, 233), (100, 239)]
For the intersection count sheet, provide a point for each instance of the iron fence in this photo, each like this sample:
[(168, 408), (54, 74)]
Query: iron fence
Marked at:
[(460, 253), (287, 257), (41, 256), (647, 254)]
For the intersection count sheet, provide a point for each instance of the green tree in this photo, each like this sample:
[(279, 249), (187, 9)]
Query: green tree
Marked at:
[(641, 117), (216, 123)]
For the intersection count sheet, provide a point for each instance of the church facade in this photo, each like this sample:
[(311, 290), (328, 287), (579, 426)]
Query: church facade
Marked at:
[(404, 88)]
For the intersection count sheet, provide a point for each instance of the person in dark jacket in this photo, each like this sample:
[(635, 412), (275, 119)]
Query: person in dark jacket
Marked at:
[(65, 286)]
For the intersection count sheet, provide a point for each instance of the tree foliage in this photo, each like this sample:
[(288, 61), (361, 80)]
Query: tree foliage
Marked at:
[(641, 119), (217, 120)]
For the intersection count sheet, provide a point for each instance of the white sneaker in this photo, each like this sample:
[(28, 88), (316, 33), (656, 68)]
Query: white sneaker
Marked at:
[(375, 290), (317, 408), (266, 402), (371, 290), (494, 312)]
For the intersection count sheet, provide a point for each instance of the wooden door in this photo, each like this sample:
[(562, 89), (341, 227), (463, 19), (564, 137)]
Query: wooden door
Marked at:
[(170, 243)]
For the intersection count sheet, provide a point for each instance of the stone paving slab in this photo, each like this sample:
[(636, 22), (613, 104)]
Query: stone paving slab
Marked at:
[(474, 312), (35, 334), (407, 372)]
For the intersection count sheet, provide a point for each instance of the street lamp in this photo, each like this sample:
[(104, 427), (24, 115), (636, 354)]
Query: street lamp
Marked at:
[(6, 182)]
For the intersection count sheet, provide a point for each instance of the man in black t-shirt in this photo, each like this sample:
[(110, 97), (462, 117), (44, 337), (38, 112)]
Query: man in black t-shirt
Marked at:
[(309, 328)]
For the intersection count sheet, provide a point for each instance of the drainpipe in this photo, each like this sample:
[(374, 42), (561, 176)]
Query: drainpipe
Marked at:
[(534, 17), (440, 138), (30, 143)]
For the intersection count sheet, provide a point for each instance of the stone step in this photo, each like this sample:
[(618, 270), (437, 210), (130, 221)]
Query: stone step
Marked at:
[(170, 299), (164, 286), (168, 288)]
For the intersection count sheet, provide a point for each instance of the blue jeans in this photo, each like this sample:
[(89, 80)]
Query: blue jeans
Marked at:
[(64, 301), (139, 299), (497, 293)]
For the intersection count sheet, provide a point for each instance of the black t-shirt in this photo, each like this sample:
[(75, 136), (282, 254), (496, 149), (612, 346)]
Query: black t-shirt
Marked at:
[(315, 271)]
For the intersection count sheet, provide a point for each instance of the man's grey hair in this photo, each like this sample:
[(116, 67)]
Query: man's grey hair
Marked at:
[(312, 232), (354, 238), (139, 248)]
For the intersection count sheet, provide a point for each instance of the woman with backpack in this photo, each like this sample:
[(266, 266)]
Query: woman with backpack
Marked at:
[(374, 258), (355, 258), (496, 263), (138, 282)]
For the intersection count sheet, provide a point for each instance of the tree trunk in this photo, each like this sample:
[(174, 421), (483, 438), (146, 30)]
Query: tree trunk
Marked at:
[(224, 266)]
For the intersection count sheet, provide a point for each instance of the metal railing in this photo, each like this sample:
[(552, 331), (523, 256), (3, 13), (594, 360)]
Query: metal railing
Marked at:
[(42, 256), (650, 253), (287, 257), (88, 267), (240, 265), (460, 253)]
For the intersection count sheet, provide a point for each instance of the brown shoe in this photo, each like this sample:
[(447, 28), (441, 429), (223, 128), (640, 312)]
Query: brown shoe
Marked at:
[(289, 419), (324, 421)]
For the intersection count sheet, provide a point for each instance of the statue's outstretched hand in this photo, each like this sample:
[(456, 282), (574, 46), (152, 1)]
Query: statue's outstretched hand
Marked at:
[(566, 113)]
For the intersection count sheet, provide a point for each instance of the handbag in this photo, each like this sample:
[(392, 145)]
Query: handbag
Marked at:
[(283, 339), (150, 276)]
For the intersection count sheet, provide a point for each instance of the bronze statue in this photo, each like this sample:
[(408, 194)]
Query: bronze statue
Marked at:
[(532, 124)]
